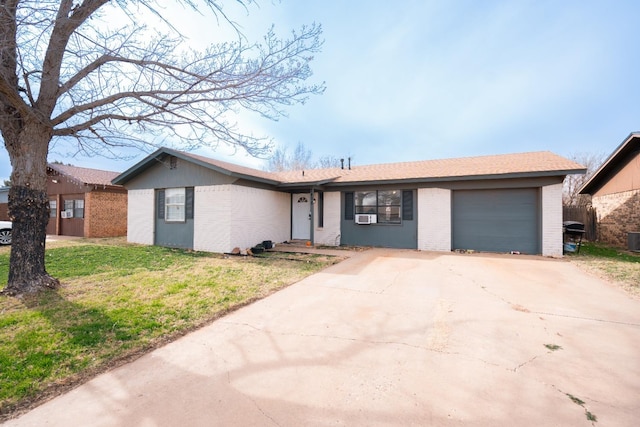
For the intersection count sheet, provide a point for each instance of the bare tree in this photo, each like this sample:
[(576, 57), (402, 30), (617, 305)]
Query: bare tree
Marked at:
[(300, 159), (66, 76), (282, 160), (330, 162), (573, 183)]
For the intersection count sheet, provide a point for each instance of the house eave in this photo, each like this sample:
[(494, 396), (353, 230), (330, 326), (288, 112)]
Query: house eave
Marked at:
[(435, 180), (304, 186), (602, 175), (148, 161), (67, 176)]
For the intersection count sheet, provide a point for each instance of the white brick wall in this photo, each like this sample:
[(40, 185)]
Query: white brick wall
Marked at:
[(434, 219), (329, 234), (552, 220), (258, 215), (212, 218), (140, 216)]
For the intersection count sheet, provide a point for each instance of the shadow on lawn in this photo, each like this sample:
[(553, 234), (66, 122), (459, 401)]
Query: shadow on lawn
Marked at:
[(71, 342), (85, 327)]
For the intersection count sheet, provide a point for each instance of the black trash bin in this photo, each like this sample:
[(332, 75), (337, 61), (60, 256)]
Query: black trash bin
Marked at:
[(572, 233)]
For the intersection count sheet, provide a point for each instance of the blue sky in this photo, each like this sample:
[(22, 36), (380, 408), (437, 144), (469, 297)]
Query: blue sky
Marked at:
[(416, 80)]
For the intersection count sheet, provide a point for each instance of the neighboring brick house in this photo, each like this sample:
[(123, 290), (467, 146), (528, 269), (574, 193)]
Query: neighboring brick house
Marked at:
[(85, 203), (4, 199), (615, 192)]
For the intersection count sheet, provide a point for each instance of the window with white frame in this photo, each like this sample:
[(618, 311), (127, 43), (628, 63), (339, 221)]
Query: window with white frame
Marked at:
[(78, 208), (68, 209), (53, 208), (174, 205)]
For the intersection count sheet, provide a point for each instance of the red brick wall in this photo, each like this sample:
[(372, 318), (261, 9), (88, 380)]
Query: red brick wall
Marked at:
[(4, 214), (618, 214), (105, 214)]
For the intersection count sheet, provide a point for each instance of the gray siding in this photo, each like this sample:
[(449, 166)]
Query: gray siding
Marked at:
[(172, 234), (497, 220), (185, 174), (404, 235)]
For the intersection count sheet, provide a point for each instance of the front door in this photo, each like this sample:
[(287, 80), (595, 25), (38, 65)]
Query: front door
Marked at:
[(300, 219)]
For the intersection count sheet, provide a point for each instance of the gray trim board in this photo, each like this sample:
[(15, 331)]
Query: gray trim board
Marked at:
[(451, 179)]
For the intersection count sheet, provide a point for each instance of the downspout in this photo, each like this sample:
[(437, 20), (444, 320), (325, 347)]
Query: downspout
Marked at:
[(312, 219)]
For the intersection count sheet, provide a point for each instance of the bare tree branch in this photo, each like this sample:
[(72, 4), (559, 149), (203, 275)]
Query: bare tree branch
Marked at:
[(573, 183), (71, 78), (300, 159)]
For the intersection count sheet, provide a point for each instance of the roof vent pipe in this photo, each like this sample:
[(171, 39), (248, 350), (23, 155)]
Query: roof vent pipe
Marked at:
[(349, 162), (341, 163)]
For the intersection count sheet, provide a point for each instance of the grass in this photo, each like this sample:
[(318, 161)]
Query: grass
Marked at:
[(553, 347), (118, 301), (611, 263), (590, 416)]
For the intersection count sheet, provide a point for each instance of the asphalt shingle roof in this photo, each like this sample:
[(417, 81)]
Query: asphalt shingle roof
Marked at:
[(505, 164), (232, 167), (85, 175), (541, 163)]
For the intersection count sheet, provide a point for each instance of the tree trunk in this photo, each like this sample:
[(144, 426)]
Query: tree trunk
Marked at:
[(29, 210)]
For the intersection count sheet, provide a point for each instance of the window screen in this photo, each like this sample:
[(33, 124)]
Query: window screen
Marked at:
[(385, 204), (174, 201), (53, 208), (78, 208)]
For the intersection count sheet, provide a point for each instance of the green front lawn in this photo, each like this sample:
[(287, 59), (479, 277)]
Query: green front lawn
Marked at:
[(611, 263), (116, 302)]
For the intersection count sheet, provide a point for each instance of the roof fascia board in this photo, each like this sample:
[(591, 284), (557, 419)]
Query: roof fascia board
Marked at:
[(460, 178), (66, 175), (593, 184), (309, 184)]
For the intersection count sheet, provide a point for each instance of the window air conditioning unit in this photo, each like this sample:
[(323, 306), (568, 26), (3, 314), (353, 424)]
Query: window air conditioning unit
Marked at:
[(365, 219), (66, 214)]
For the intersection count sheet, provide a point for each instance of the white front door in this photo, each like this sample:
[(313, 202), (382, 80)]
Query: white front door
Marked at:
[(300, 220)]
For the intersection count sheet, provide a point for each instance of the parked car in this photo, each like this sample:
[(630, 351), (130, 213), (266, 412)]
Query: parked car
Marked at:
[(5, 232)]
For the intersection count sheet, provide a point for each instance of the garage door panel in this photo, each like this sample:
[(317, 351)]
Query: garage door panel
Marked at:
[(496, 220)]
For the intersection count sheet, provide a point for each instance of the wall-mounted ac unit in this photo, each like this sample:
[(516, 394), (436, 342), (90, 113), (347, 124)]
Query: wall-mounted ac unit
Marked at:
[(365, 219)]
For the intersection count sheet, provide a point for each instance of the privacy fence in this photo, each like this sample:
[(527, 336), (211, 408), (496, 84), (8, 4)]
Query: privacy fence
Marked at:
[(584, 214)]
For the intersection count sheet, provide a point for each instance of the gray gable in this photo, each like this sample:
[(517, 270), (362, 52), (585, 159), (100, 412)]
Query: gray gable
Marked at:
[(164, 172)]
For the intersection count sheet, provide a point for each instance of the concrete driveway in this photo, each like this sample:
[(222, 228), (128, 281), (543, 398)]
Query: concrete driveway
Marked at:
[(391, 337)]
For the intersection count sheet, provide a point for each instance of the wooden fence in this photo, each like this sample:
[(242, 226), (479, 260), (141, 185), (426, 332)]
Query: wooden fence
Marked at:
[(586, 215)]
